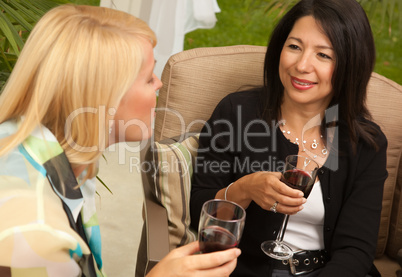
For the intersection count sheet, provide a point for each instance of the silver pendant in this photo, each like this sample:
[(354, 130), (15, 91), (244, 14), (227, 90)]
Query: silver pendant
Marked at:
[(314, 144)]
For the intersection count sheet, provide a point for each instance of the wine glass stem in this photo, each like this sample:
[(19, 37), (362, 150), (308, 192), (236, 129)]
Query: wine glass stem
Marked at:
[(283, 228)]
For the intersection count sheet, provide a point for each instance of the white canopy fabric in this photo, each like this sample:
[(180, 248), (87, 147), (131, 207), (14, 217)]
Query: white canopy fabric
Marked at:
[(170, 20)]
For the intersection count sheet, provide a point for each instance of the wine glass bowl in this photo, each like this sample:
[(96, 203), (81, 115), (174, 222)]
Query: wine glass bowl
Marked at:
[(299, 173), (221, 225)]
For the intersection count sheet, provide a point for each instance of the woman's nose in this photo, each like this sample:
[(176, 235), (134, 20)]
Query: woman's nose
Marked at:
[(158, 83), (304, 64)]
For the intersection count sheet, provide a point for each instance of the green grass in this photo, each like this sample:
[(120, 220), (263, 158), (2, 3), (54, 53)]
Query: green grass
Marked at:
[(242, 23)]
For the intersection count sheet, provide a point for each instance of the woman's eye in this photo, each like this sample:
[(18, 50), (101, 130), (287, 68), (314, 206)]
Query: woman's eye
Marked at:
[(293, 46), (151, 81), (325, 56)]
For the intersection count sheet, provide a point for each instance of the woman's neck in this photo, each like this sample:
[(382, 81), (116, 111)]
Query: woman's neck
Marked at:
[(303, 127), (301, 120)]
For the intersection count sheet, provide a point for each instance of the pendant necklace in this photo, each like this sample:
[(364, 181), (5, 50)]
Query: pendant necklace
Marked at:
[(314, 144)]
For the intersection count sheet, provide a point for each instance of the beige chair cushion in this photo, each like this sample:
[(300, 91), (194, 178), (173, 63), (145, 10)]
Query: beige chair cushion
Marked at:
[(384, 100), (174, 168), (197, 91), (395, 228)]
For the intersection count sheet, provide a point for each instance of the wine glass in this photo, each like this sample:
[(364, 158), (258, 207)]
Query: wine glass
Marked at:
[(221, 225), (299, 173)]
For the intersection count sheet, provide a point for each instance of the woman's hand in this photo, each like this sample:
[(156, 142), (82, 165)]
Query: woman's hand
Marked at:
[(182, 262), (265, 188)]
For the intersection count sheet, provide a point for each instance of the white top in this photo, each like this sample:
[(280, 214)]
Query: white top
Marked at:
[(305, 229)]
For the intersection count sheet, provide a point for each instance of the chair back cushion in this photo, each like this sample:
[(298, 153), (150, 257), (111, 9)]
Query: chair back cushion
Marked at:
[(196, 80), (384, 100)]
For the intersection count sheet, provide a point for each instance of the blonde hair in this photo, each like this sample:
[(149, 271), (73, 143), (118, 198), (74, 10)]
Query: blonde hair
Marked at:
[(75, 67)]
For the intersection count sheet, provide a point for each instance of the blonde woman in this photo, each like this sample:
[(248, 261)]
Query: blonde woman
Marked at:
[(84, 81)]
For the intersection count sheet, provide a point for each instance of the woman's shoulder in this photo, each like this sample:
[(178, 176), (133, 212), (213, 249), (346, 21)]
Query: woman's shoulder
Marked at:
[(374, 129), (242, 95), (246, 98), (369, 136), (245, 102), (7, 128)]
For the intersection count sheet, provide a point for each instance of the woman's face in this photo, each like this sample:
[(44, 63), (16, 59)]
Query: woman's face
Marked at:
[(306, 65), (134, 116)]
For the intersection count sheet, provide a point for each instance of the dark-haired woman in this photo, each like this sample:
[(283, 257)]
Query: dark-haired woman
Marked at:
[(317, 67)]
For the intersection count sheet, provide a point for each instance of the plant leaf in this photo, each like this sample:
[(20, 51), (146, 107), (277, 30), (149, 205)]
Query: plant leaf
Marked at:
[(31, 14), (100, 180), (11, 33), (5, 59), (16, 16), (45, 5)]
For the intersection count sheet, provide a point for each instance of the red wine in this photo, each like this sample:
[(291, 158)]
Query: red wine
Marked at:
[(298, 179), (215, 238)]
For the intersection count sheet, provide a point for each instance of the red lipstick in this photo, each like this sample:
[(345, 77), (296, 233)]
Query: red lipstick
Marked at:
[(302, 84)]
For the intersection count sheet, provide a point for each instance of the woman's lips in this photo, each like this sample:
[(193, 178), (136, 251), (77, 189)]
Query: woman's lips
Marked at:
[(302, 84)]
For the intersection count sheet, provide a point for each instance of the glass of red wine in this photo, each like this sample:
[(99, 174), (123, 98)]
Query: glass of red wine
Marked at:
[(221, 225), (299, 173)]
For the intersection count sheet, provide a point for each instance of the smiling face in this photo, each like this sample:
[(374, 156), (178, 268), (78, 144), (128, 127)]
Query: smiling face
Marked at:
[(134, 116), (306, 65)]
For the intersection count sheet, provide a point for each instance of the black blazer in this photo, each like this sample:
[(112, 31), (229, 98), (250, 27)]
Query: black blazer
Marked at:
[(235, 142)]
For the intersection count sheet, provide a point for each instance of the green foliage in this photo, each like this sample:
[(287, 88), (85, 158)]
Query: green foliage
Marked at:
[(17, 18), (390, 11), (252, 21)]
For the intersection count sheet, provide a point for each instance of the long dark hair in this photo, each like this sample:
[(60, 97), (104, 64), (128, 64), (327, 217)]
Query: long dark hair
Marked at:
[(346, 25)]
